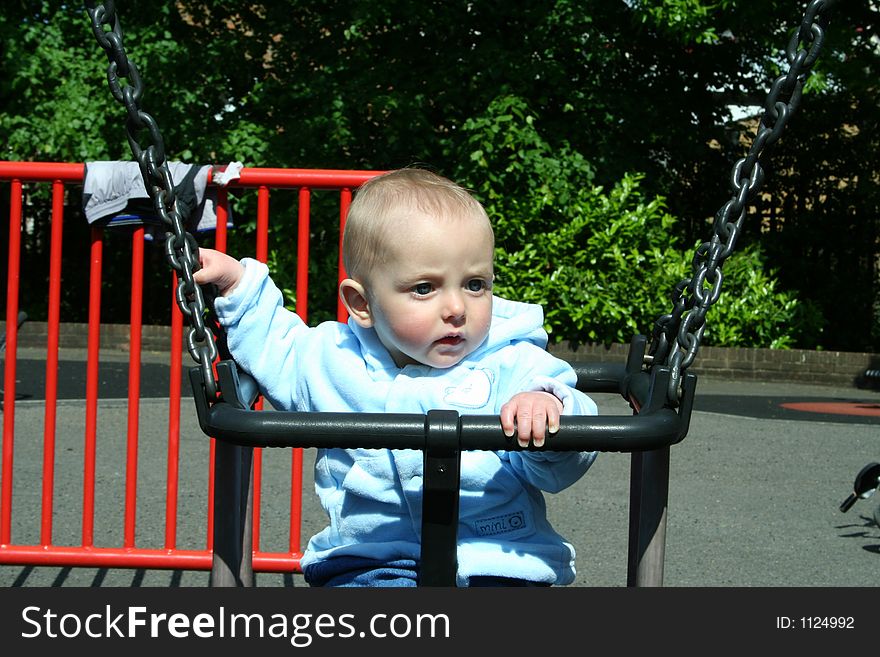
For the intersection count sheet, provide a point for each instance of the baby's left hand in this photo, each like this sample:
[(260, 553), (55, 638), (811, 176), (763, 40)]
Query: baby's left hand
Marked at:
[(530, 415)]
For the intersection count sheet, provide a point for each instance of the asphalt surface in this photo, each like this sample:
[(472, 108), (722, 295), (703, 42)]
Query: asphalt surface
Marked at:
[(755, 487)]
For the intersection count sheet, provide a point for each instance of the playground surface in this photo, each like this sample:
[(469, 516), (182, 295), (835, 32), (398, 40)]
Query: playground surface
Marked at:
[(754, 490)]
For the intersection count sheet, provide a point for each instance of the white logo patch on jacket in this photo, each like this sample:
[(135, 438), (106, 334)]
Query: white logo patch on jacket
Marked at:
[(473, 392)]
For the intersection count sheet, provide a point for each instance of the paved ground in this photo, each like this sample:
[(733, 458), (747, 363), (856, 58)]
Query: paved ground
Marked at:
[(754, 488)]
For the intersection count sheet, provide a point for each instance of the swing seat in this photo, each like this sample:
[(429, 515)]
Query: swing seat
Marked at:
[(654, 426)]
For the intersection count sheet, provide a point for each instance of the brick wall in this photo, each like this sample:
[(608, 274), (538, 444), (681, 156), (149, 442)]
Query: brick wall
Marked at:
[(838, 368)]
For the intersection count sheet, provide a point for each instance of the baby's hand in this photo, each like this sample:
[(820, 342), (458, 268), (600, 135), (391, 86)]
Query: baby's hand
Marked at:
[(218, 268), (530, 415)]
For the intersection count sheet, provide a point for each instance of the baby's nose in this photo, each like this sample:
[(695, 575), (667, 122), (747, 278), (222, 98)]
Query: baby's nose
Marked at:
[(454, 306)]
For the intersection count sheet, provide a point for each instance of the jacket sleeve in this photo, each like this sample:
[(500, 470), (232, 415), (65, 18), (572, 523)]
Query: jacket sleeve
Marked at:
[(547, 470), (262, 334)]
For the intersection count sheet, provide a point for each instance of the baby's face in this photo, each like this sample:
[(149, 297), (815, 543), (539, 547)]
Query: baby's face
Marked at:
[(432, 302)]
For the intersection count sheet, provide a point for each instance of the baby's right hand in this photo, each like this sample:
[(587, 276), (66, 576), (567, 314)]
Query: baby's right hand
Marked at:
[(218, 268)]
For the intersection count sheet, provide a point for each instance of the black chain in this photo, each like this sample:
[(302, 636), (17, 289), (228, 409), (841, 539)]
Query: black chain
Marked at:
[(181, 248), (676, 337)]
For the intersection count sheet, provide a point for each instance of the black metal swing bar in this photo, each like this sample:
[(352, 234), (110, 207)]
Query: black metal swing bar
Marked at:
[(656, 384)]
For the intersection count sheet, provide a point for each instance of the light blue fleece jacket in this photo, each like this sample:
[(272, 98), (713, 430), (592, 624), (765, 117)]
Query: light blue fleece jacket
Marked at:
[(373, 496)]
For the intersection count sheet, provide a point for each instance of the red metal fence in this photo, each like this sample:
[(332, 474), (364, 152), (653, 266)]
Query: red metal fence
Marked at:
[(63, 177)]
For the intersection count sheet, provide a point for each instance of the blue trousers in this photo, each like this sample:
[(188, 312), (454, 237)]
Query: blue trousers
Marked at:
[(363, 572)]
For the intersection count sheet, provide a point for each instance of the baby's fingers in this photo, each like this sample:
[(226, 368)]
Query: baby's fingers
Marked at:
[(508, 419), (202, 275), (530, 423), (516, 421), (530, 417)]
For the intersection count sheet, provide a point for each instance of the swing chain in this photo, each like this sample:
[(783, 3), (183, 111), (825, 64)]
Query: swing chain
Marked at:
[(677, 335), (181, 248)]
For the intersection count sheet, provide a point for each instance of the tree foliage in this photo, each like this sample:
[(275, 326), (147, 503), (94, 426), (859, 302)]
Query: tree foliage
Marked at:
[(601, 262), (634, 99)]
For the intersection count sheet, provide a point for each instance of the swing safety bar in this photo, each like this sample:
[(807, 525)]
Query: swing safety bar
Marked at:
[(650, 429)]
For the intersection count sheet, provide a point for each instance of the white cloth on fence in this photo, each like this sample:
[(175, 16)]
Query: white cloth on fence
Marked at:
[(111, 188), (231, 172)]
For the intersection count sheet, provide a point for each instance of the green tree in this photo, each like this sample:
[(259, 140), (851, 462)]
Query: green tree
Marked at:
[(642, 86)]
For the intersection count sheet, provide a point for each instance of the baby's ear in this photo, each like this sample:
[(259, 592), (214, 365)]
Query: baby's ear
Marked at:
[(354, 297)]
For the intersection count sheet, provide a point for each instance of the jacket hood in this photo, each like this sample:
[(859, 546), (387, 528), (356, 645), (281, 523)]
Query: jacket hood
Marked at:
[(514, 321)]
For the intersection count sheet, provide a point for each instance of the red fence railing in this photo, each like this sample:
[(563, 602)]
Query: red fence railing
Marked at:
[(25, 478)]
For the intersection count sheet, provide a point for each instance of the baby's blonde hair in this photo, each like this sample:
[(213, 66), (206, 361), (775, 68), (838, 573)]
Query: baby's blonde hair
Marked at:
[(379, 201)]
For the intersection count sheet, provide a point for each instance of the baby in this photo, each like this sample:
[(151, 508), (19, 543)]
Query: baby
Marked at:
[(424, 332)]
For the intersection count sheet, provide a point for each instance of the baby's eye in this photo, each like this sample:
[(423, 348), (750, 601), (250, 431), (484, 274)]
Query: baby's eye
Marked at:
[(422, 289), (476, 285)]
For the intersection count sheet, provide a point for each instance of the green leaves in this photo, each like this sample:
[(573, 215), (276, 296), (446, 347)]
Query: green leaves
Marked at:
[(753, 312), (686, 20), (601, 262)]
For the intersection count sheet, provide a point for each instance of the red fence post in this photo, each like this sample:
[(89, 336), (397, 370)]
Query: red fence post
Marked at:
[(134, 383), (13, 272), (53, 330), (344, 203), (94, 346), (303, 235), (174, 392)]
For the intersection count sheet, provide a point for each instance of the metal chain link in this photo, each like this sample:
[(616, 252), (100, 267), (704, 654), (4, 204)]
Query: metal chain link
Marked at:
[(677, 335), (181, 248)]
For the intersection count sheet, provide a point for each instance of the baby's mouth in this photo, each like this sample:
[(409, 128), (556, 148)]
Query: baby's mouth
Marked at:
[(451, 340)]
